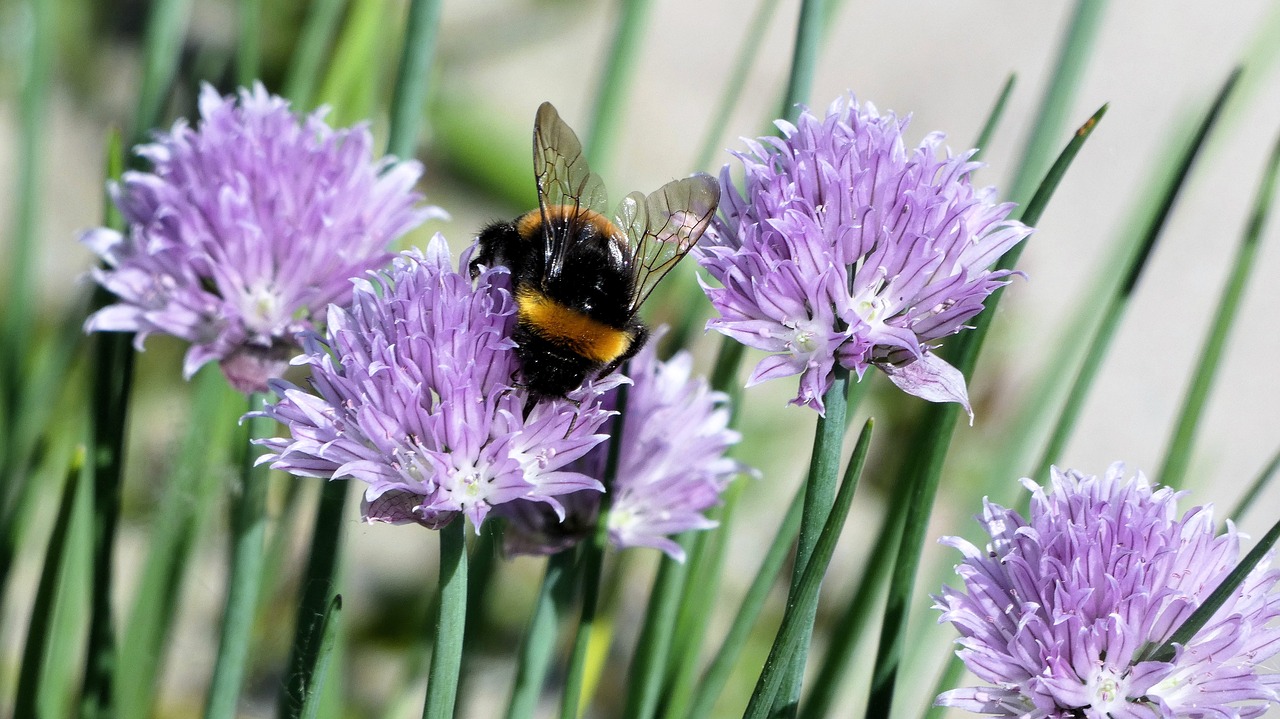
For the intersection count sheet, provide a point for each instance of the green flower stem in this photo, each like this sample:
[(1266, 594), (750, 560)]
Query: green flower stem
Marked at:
[(1059, 95), (411, 79), (446, 656), (248, 42), (166, 28), (1118, 301), (793, 636), (1264, 477), (318, 32), (924, 473), (993, 118), (804, 58), (248, 527), (721, 667), (42, 607), (653, 648), (619, 67), (319, 587), (824, 469), (539, 645), (1178, 455), (324, 656)]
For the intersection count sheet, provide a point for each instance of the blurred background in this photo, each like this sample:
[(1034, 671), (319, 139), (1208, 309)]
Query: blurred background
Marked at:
[(939, 61)]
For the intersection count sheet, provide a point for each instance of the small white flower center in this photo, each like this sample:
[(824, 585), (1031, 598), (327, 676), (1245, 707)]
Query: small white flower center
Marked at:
[(263, 305), (1108, 690), (806, 338)]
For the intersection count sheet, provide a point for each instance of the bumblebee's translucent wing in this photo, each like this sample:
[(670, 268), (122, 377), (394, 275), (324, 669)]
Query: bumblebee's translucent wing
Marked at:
[(567, 188), (664, 226)]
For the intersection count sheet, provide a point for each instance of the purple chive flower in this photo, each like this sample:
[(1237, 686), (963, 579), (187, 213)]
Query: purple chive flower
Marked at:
[(671, 467), (414, 397), (846, 248), (246, 228), (1055, 615)]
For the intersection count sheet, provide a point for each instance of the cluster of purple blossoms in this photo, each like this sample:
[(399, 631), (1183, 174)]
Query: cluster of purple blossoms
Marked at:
[(414, 397), (1056, 615), (671, 466), (246, 228), (846, 248)]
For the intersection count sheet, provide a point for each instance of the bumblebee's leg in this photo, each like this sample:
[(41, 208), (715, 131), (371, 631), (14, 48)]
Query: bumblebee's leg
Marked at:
[(639, 335)]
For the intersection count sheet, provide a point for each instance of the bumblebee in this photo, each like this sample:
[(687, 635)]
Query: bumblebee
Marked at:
[(578, 276)]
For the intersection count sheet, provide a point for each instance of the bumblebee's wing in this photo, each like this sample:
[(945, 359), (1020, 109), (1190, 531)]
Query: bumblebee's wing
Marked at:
[(564, 180), (664, 226)]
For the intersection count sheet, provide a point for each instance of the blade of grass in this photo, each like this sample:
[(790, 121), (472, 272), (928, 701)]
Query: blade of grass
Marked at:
[(356, 67), (648, 666), (937, 429), (1182, 441), (534, 660), (410, 98), (328, 639), (804, 58), (446, 656), (40, 625), (994, 117), (166, 29), (615, 79), (1113, 311), (793, 634), (1251, 495), (248, 43), (317, 34)]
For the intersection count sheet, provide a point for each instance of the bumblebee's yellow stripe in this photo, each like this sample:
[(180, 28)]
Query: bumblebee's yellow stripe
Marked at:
[(591, 339)]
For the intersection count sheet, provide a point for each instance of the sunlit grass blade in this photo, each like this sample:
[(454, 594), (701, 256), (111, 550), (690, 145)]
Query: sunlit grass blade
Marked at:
[(450, 626), (1059, 95), (792, 635), (1203, 613), (993, 118), (190, 489), (648, 665), (549, 610), (166, 28), (924, 473), (1113, 310), (615, 79), (307, 63), (1259, 483), (329, 627), (40, 625), (1182, 441), (717, 674), (356, 67)]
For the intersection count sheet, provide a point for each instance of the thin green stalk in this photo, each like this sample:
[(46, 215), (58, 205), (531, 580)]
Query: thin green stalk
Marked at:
[(824, 469), (166, 28), (793, 636), (317, 35), (410, 97), (718, 672), (248, 42), (924, 474), (591, 566), (319, 587), (328, 641), (994, 117), (648, 667), (615, 79), (1114, 310), (248, 527), (804, 58), (540, 640), (1178, 455), (446, 655), (40, 625), (1059, 96), (1250, 495)]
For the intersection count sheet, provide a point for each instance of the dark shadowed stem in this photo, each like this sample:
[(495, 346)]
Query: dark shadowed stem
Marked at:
[(540, 640), (1118, 302), (446, 655), (1178, 454), (615, 80), (248, 527), (411, 79), (248, 44), (319, 586), (924, 473), (792, 638), (317, 34), (330, 625)]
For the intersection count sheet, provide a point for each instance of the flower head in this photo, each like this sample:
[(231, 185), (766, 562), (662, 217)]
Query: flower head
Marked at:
[(1056, 615), (846, 248), (246, 228), (414, 397), (671, 466)]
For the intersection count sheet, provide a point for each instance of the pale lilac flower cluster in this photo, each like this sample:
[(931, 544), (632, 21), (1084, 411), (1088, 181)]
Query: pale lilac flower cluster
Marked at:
[(246, 228), (845, 247), (414, 397), (671, 466), (1055, 615)]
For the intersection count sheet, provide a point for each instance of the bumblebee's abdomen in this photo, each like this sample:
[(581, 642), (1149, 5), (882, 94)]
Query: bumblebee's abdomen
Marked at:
[(569, 328)]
